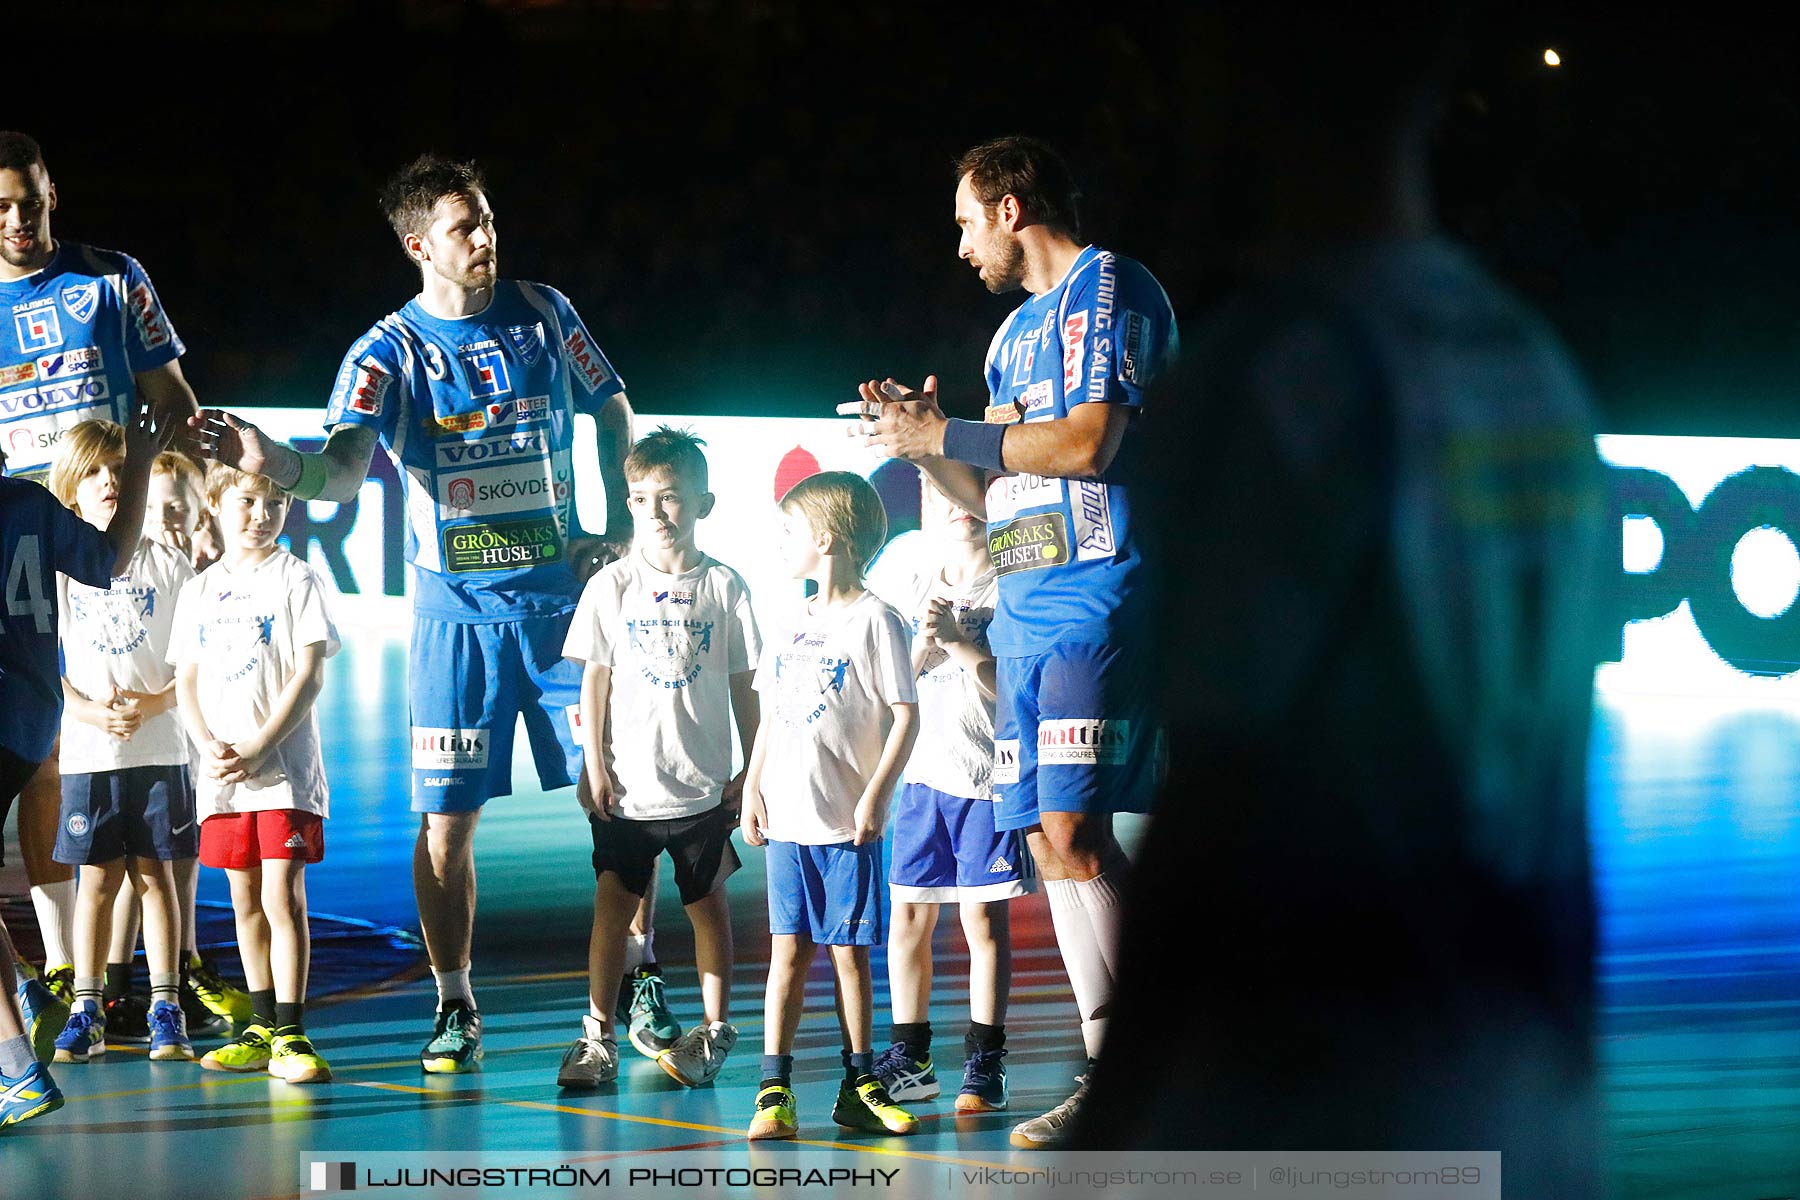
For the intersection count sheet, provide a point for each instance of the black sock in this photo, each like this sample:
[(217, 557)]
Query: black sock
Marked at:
[(262, 1007), (288, 1017), (778, 1071), (118, 980), (915, 1036), (982, 1038)]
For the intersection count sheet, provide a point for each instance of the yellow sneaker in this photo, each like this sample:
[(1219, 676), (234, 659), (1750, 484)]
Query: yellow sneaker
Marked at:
[(248, 1051), (777, 1114), (866, 1104), (294, 1059)]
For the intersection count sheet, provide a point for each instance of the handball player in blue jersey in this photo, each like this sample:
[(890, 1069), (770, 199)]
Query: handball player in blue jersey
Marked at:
[(473, 388), (1051, 469), (82, 338)]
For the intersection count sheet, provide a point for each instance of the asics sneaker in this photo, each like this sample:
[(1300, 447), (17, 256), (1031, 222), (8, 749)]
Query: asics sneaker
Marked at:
[(218, 997), (591, 1060), (83, 1037), (697, 1055), (1052, 1130), (984, 1083), (29, 1095), (293, 1058), (61, 982), (866, 1104), (44, 1014), (168, 1033), (905, 1077), (128, 1019), (248, 1051), (652, 1027), (455, 1044), (777, 1113)]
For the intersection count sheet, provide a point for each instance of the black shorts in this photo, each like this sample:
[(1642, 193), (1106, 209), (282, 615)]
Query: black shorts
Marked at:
[(700, 847), (15, 773), (144, 812)]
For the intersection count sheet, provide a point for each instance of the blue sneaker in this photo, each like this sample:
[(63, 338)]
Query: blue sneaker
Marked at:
[(984, 1083), (84, 1036), (168, 1033), (44, 1014), (905, 1077), (30, 1095)]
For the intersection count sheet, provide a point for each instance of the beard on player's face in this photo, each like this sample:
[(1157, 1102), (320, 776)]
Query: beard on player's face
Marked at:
[(1003, 264)]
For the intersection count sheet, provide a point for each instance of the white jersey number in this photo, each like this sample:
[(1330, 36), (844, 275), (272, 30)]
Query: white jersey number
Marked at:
[(25, 585)]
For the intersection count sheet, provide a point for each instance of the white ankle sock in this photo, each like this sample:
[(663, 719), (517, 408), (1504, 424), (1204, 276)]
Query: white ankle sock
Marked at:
[(55, 905), (1088, 975), (453, 985), (639, 950), (1101, 900)]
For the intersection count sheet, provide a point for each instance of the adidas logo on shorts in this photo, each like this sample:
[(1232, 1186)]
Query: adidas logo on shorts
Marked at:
[(295, 842), (1000, 866)]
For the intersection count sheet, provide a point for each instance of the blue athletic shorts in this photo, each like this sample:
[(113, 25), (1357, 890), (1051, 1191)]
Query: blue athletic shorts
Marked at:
[(947, 850), (831, 895), (146, 812), (1074, 732), (469, 684)]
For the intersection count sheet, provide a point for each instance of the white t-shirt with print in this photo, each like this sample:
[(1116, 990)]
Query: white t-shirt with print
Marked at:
[(245, 630), (955, 750), (672, 642), (827, 682), (119, 636)]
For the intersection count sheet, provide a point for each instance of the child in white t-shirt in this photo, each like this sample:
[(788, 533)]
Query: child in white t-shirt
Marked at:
[(127, 810), (669, 645), (251, 638), (946, 849), (841, 720)]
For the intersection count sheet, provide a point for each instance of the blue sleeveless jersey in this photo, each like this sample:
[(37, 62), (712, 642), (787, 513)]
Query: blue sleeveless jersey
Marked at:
[(479, 416), (1069, 565), (38, 538), (74, 334)]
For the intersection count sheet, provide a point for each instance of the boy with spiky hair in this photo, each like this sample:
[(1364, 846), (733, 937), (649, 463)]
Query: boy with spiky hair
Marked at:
[(668, 645), (843, 717), (251, 638)]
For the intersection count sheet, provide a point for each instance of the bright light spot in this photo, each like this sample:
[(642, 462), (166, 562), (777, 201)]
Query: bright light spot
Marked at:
[(1643, 539), (1552, 58), (1765, 571)]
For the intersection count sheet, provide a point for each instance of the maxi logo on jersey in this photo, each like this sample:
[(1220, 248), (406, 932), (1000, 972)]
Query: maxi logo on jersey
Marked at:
[(485, 365), (590, 368), (37, 325), (152, 325), (369, 387)]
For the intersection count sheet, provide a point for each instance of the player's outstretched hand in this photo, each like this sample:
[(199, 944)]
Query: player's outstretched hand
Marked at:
[(143, 439), (215, 434), (898, 421)]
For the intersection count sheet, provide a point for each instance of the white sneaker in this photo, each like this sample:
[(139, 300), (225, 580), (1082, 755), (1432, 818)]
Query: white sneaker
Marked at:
[(1052, 1131), (591, 1060), (698, 1054)]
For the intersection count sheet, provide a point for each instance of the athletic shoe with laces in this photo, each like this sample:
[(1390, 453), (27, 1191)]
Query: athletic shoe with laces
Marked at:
[(29, 1095), (777, 1113), (455, 1044), (1052, 1130), (591, 1059), (61, 982), (905, 1077), (293, 1058), (652, 1027), (698, 1055), (218, 997), (44, 1014), (168, 1033), (128, 1018), (201, 1020), (866, 1104), (248, 1051), (984, 1083), (83, 1037)]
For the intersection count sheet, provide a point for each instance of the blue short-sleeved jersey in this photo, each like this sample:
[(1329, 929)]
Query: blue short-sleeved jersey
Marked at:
[(38, 538), (74, 334), (479, 415), (1070, 569)]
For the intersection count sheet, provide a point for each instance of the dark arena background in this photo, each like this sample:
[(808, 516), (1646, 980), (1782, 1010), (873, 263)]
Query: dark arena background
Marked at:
[(750, 205)]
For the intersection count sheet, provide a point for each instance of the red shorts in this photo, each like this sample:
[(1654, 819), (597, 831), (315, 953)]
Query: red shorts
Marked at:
[(240, 841)]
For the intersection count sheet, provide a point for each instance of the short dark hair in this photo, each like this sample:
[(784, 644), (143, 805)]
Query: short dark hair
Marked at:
[(666, 448), (413, 193), (1029, 170), (19, 152)]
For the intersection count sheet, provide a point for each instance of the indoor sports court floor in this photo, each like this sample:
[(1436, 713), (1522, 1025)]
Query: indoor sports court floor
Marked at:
[(1697, 842)]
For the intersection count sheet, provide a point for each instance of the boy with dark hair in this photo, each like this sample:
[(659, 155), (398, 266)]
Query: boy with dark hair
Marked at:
[(669, 645)]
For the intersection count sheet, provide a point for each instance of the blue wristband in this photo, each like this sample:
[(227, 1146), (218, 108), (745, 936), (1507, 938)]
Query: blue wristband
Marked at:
[(975, 442)]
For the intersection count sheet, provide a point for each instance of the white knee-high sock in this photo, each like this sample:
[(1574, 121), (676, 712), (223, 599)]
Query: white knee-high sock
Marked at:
[(1088, 974), (55, 905), (1100, 899)]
